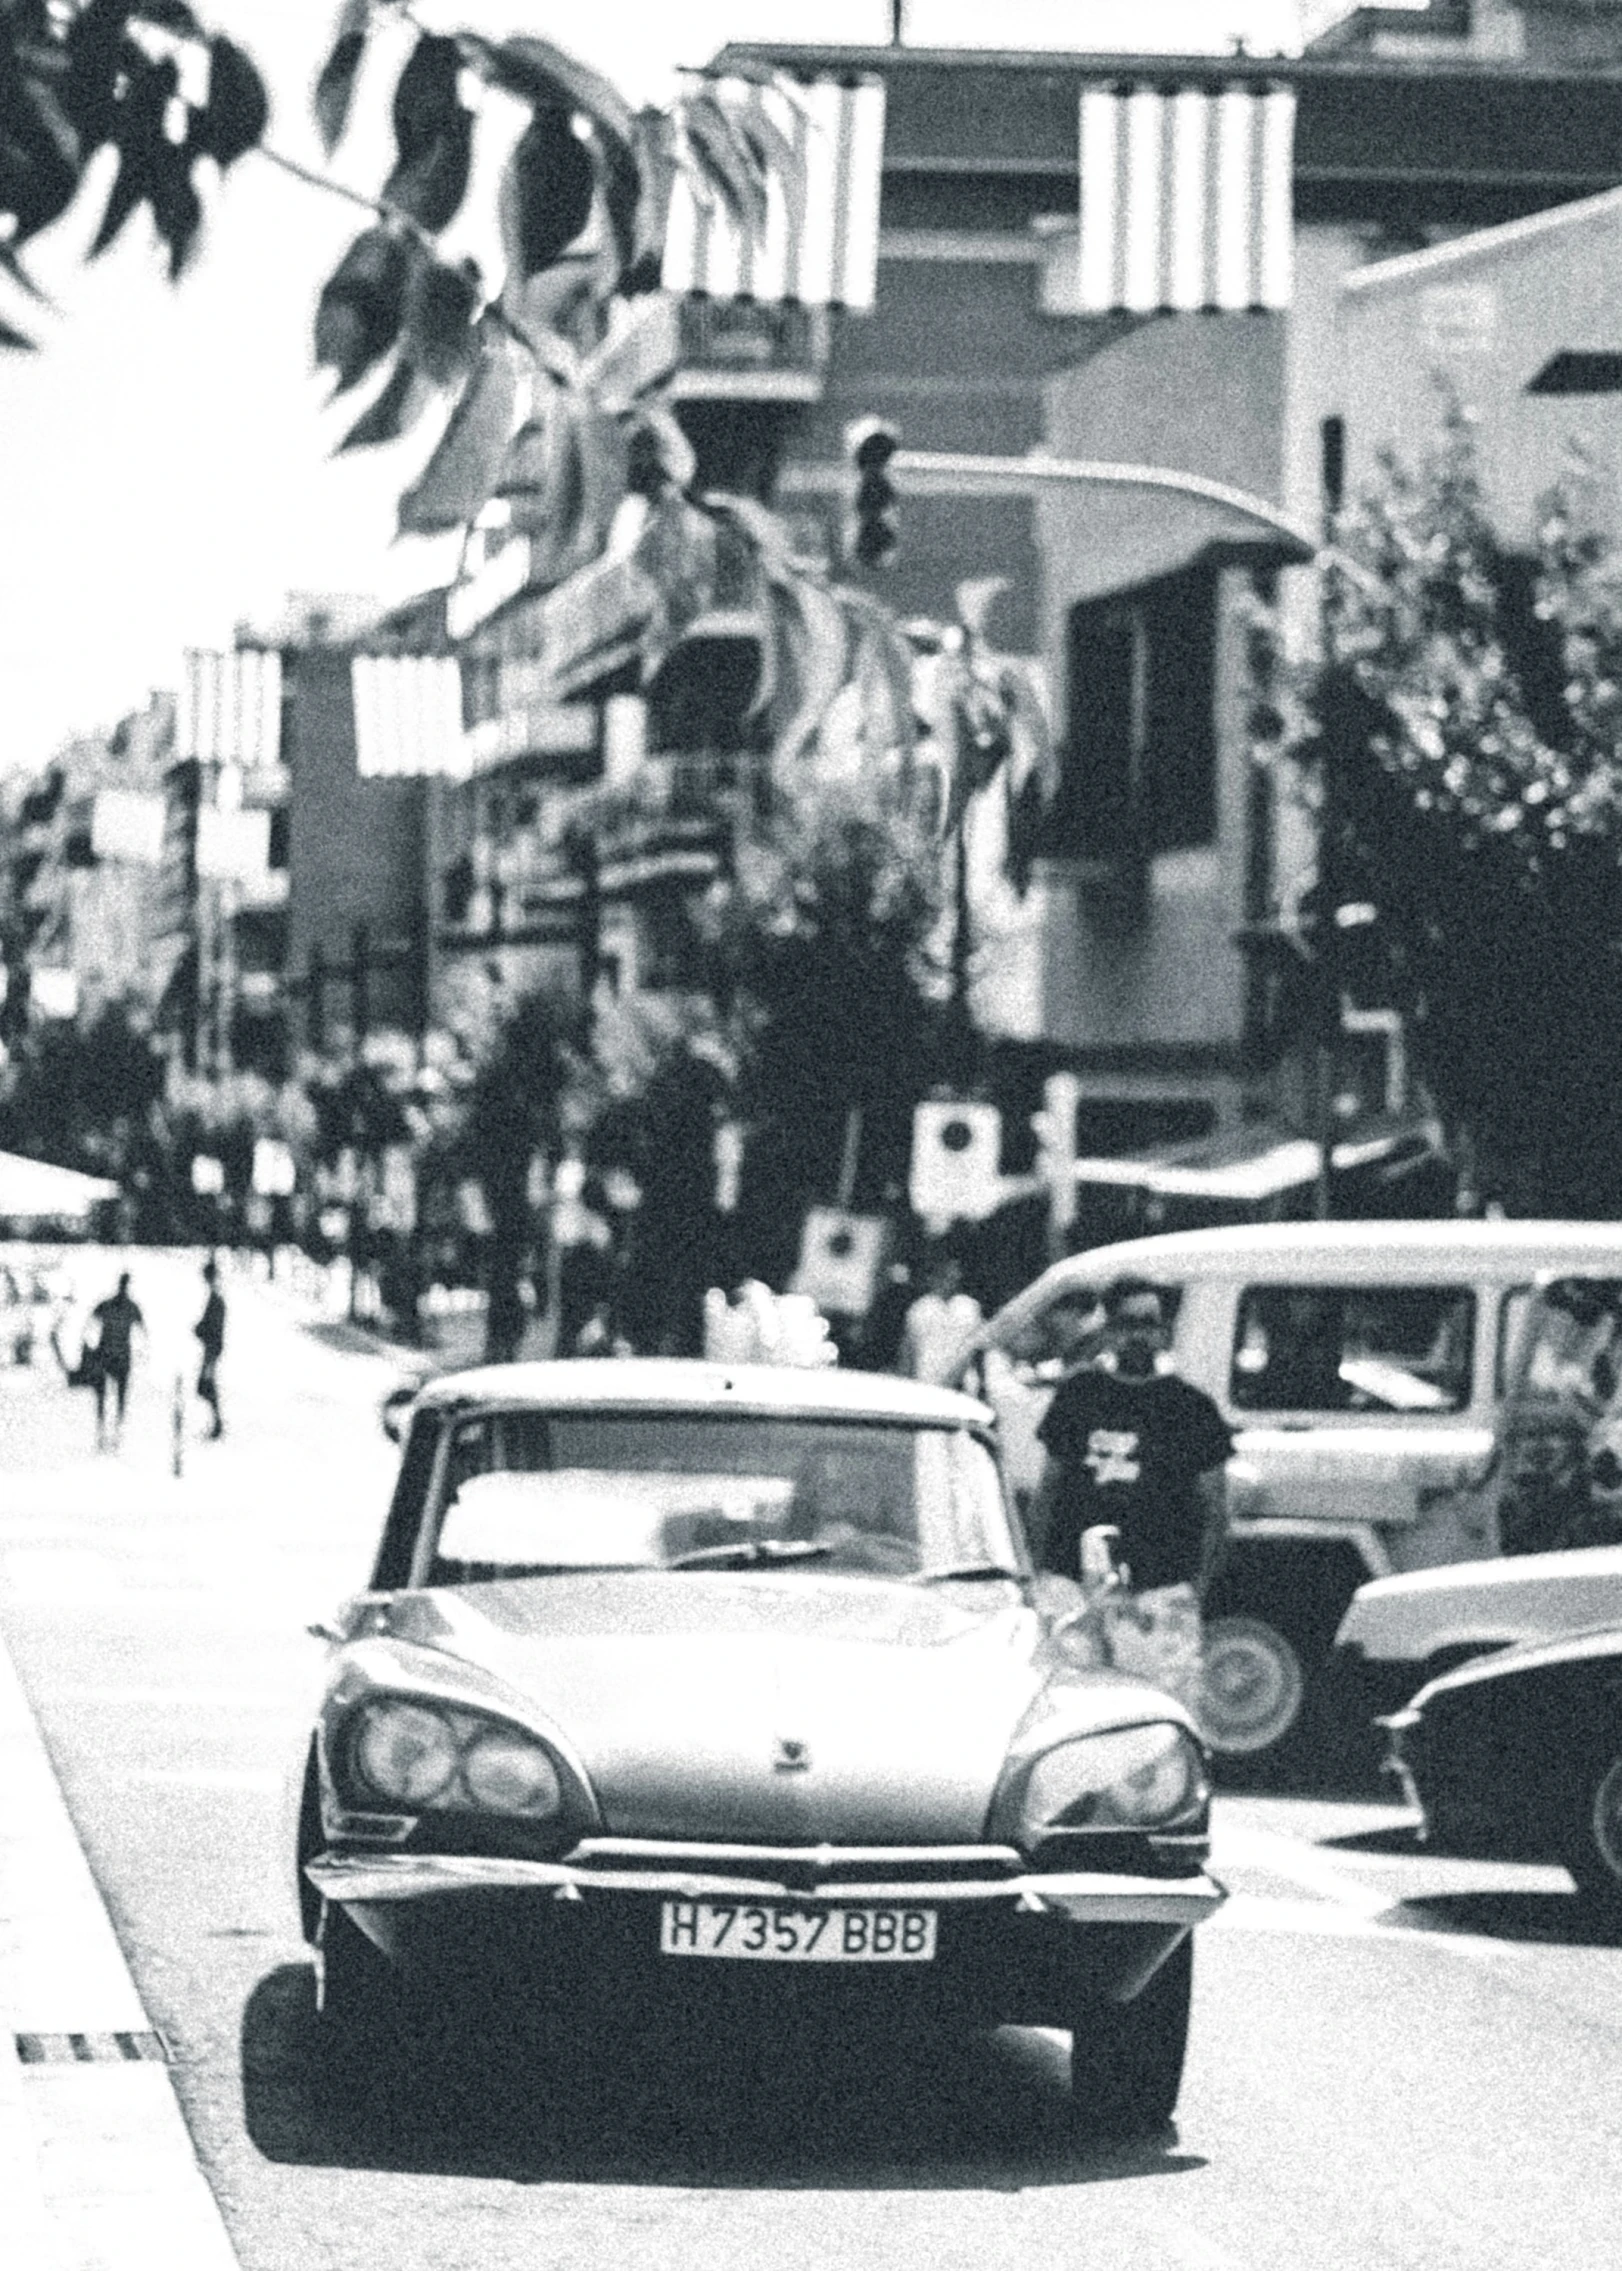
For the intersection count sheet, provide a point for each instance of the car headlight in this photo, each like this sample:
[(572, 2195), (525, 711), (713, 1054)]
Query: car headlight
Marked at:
[(1130, 1778), (405, 1752), (505, 1774), (427, 1757)]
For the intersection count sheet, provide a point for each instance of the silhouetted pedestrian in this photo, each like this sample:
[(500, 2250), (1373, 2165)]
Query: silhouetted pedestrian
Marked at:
[(210, 1331), (114, 1322)]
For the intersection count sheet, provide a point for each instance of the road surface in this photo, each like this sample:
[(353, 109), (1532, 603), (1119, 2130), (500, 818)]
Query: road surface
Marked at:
[(1398, 2061)]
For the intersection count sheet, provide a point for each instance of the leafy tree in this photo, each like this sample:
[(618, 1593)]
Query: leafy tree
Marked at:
[(81, 1095), (585, 186), (825, 972), (512, 1109), (1462, 747)]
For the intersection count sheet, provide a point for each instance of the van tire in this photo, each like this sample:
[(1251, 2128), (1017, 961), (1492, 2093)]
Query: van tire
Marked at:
[(1254, 1686)]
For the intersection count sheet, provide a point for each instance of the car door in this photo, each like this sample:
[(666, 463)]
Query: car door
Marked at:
[(1353, 1406)]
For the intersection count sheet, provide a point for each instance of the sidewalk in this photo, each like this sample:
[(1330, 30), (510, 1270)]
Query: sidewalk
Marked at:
[(97, 2171)]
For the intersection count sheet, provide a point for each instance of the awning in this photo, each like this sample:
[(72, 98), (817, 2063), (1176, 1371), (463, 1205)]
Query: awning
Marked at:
[(1252, 1167), (33, 1191)]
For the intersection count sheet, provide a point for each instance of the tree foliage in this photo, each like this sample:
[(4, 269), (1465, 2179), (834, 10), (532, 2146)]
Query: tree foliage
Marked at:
[(584, 191), (825, 969), (1463, 747)]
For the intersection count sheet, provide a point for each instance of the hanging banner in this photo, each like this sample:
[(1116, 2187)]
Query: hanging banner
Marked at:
[(127, 825), (820, 243), (230, 707), (1186, 198), (233, 847), (408, 717)]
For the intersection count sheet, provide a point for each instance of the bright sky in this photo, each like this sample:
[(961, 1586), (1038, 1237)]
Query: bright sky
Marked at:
[(165, 464)]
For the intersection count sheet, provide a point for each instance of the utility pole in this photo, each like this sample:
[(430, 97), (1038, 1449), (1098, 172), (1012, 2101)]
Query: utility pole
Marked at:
[(898, 10)]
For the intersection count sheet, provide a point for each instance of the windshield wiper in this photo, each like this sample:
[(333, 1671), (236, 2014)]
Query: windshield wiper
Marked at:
[(968, 1573), (750, 1553)]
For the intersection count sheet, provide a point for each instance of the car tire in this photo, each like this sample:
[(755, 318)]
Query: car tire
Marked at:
[(1253, 1687), (357, 1995), (1126, 2059), (1595, 1859)]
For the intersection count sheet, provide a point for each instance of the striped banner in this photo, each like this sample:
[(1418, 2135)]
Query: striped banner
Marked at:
[(230, 709), (408, 717), (1186, 198), (820, 245)]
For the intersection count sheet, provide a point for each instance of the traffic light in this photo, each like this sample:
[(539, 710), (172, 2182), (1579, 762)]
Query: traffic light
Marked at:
[(871, 445)]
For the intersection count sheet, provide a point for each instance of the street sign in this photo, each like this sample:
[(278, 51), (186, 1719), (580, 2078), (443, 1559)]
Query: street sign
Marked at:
[(841, 1256), (955, 1152)]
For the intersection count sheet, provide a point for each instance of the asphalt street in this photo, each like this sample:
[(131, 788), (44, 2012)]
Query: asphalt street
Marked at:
[(1398, 2060)]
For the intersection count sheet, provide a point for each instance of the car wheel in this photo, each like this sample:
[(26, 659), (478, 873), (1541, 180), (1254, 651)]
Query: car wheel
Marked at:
[(357, 1996), (1252, 1686), (1126, 2059), (1596, 1858)]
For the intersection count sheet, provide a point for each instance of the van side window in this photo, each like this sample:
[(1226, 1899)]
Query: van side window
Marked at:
[(1324, 1348)]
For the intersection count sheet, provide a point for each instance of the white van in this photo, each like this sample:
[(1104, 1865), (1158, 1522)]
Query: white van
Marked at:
[(1361, 1365)]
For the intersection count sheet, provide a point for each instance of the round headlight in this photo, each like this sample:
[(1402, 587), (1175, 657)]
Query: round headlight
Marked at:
[(508, 1775), (405, 1752), (1130, 1778)]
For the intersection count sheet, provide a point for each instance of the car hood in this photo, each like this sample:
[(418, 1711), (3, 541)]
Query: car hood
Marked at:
[(774, 1709), (1520, 1597), (1600, 1648)]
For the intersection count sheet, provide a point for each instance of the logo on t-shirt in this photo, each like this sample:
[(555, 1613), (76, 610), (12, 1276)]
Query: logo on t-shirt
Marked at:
[(1112, 1454)]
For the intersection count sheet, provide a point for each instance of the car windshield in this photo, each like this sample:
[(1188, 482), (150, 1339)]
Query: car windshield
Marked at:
[(528, 1493)]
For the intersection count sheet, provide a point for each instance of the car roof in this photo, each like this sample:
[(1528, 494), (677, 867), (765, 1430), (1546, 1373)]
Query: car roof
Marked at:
[(667, 1382), (1350, 1250)]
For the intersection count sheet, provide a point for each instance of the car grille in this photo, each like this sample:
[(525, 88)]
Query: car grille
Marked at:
[(803, 1868)]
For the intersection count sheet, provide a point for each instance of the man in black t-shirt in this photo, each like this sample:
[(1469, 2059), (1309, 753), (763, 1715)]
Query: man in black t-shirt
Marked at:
[(1131, 1444)]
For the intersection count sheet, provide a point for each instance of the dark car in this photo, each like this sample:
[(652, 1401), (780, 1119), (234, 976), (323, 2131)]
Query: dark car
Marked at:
[(1519, 1755), (732, 1688)]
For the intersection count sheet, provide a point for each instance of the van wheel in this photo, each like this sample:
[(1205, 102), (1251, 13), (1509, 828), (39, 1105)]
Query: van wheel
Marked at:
[(1252, 1685)]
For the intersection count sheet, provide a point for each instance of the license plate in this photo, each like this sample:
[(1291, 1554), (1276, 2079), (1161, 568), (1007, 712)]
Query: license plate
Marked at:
[(763, 1932)]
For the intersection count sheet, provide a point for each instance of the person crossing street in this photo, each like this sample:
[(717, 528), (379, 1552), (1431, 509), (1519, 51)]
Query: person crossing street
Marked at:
[(1131, 1445), (114, 1324)]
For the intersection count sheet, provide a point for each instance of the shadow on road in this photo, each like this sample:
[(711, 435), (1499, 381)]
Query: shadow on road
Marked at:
[(940, 2112), (1559, 1919), (1395, 1837)]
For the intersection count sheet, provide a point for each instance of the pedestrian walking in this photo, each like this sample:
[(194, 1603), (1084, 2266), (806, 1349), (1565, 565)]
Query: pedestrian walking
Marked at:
[(1132, 1445), (941, 1321), (114, 1323), (210, 1331)]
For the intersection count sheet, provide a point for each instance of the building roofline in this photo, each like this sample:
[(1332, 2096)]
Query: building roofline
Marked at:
[(1482, 244), (1092, 64)]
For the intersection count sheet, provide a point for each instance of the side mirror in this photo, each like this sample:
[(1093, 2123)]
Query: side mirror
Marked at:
[(394, 1409)]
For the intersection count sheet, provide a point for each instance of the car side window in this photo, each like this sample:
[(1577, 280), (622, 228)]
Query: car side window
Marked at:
[(1314, 1348), (470, 1451)]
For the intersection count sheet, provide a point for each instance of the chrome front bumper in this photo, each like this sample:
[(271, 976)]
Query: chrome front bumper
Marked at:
[(1085, 1897)]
